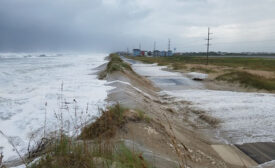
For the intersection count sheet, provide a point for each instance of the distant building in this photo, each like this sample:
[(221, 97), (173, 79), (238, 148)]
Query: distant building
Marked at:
[(169, 53), (146, 53), (136, 52), (156, 53), (142, 53), (163, 53)]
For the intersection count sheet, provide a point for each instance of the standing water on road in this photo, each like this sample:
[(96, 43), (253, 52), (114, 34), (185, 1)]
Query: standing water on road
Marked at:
[(32, 86)]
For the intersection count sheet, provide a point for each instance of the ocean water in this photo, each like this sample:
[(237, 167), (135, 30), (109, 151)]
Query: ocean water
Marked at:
[(40, 93)]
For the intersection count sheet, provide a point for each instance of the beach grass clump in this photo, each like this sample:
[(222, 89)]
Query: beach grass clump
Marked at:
[(105, 126), (248, 80), (94, 147), (66, 153), (142, 116), (115, 64)]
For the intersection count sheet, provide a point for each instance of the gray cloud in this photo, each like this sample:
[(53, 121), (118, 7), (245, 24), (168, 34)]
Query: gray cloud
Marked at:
[(109, 25)]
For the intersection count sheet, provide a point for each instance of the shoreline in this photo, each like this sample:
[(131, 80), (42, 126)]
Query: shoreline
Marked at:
[(164, 129)]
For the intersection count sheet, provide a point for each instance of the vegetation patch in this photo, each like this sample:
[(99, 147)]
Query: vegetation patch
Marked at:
[(105, 126), (68, 154), (143, 117), (94, 147), (115, 64), (249, 80), (202, 69), (178, 66), (265, 64)]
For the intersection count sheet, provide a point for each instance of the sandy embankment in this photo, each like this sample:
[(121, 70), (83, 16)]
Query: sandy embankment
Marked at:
[(175, 133)]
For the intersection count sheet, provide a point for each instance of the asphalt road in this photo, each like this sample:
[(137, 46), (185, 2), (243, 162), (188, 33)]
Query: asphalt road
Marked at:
[(261, 152)]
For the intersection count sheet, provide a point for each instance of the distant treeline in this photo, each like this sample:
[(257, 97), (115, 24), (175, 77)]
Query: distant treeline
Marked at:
[(224, 54)]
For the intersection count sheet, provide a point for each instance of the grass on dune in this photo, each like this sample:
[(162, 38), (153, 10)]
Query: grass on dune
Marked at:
[(115, 64), (68, 154), (249, 80), (112, 119), (105, 126), (94, 147)]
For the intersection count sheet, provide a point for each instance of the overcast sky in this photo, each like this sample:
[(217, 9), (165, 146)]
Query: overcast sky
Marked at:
[(111, 25)]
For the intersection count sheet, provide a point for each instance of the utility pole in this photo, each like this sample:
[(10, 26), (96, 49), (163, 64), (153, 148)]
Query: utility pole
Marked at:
[(139, 46), (208, 44), (154, 48), (169, 44)]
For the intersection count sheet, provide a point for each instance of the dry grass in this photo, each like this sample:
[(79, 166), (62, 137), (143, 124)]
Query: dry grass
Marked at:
[(180, 149), (95, 149), (66, 153), (111, 120), (249, 80), (105, 126), (179, 61), (202, 69), (178, 66), (101, 152), (142, 116), (115, 64)]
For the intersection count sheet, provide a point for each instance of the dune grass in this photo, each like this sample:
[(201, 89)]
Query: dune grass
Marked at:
[(105, 126), (249, 80), (94, 147), (68, 154), (115, 64)]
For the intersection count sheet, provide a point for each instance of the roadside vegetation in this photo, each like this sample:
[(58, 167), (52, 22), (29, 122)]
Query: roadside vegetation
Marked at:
[(233, 70), (115, 64), (248, 63), (248, 80)]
